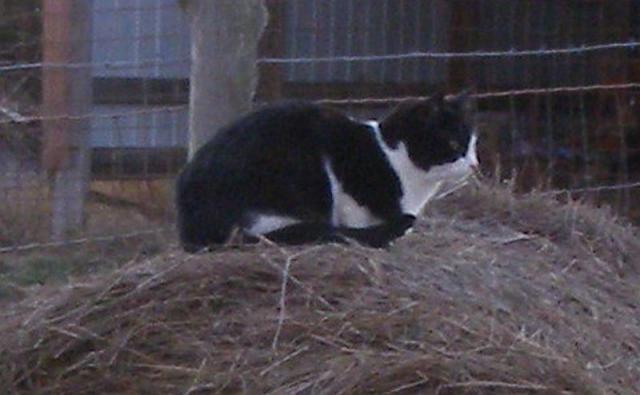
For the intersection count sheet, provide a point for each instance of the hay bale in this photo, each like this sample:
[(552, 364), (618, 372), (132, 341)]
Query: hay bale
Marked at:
[(491, 294)]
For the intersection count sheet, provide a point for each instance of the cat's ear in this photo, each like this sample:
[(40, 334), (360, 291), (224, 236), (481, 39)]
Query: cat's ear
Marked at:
[(437, 97), (463, 102), (405, 110), (406, 117), (436, 101), (421, 108)]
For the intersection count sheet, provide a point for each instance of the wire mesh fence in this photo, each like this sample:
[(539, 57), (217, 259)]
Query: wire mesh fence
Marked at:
[(557, 86), (114, 88), (556, 81)]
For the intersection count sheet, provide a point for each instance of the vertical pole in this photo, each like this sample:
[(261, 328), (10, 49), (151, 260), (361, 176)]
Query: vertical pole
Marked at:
[(224, 46), (271, 45), (67, 96)]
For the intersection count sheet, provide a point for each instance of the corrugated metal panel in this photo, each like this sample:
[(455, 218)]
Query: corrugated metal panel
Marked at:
[(550, 24), (159, 129), (150, 38), (329, 28)]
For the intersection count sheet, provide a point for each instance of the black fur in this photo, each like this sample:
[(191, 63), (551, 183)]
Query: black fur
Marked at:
[(272, 161)]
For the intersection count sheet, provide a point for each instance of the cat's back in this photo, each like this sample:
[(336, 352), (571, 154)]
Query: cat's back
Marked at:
[(292, 131), (273, 124)]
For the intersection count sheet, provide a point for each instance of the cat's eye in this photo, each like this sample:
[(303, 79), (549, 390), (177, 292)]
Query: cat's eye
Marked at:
[(455, 145)]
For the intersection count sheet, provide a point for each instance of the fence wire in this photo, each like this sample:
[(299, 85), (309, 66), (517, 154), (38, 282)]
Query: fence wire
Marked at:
[(557, 86)]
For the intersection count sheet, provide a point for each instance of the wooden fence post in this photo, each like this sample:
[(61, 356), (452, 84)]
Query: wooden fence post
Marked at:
[(67, 97)]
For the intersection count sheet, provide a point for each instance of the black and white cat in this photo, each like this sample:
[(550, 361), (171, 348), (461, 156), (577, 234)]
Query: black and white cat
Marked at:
[(298, 173)]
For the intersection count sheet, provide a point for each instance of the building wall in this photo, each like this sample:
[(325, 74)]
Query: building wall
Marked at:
[(151, 129), (141, 51), (140, 39), (333, 28), (145, 43), (503, 25)]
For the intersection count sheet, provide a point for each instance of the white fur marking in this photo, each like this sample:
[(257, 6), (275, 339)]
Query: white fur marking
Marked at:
[(346, 211), (419, 186), (265, 223)]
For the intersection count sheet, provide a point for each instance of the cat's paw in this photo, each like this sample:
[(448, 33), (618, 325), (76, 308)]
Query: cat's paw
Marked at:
[(193, 248), (407, 220)]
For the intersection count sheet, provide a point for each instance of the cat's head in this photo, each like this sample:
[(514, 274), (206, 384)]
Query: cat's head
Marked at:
[(435, 131)]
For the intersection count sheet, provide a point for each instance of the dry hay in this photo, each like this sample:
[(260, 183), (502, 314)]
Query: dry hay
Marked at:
[(492, 294)]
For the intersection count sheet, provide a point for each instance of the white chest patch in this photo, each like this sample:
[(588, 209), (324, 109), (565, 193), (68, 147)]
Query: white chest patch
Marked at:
[(346, 211), (420, 186)]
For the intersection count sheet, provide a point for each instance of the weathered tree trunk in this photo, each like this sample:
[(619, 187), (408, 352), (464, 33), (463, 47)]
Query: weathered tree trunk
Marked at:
[(224, 36), (67, 96)]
